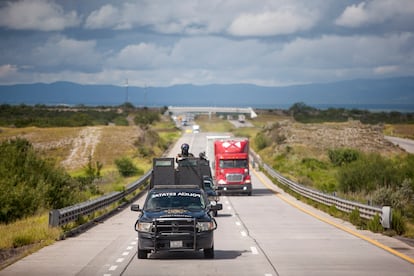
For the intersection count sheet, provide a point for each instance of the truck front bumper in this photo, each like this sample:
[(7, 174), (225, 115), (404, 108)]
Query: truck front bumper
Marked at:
[(234, 188), (150, 241)]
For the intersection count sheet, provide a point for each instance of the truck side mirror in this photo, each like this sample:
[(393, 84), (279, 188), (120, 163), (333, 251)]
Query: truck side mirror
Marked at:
[(135, 208)]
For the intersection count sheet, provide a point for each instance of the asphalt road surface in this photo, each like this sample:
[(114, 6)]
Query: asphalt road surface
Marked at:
[(268, 233), (406, 144)]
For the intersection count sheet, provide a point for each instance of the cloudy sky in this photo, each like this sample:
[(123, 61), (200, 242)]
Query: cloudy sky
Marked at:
[(167, 42)]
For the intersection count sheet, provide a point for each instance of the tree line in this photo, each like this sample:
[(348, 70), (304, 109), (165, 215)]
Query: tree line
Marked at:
[(307, 114), (58, 116)]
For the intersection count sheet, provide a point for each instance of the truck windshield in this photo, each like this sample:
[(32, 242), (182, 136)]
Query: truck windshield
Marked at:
[(233, 163), (179, 200)]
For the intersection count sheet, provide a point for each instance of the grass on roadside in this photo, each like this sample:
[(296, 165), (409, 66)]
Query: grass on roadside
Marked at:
[(18, 234), (399, 130), (25, 236)]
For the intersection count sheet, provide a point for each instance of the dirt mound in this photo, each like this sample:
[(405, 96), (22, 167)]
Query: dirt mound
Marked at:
[(352, 134)]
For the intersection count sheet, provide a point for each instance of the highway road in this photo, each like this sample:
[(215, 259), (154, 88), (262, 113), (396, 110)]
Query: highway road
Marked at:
[(406, 144), (268, 233)]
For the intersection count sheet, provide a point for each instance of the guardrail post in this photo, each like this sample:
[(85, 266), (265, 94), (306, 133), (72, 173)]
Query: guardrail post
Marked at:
[(54, 218), (386, 217)]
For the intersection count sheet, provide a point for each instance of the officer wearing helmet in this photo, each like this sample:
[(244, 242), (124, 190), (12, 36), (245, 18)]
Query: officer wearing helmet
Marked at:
[(184, 152)]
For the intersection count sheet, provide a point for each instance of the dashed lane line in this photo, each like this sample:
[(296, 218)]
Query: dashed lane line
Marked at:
[(120, 260)]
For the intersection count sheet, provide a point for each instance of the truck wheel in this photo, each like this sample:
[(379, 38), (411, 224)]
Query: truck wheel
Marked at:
[(209, 253), (142, 254)]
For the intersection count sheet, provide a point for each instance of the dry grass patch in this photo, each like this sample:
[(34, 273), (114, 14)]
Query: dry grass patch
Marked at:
[(213, 124), (400, 130), (23, 237), (116, 142), (54, 142)]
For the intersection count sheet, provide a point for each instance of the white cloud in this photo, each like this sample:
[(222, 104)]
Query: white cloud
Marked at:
[(383, 70), (285, 21), (241, 18), (375, 11), (40, 15), (7, 69), (142, 55), (65, 52), (353, 16), (107, 16)]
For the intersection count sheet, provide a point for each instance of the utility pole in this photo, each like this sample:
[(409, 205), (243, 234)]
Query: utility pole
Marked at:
[(126, 94), (145, 95)]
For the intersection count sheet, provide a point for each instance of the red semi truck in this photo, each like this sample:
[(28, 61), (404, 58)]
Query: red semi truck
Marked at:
[(231, 165)]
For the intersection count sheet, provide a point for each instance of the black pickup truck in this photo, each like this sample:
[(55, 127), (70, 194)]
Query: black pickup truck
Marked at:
[(177, 214)]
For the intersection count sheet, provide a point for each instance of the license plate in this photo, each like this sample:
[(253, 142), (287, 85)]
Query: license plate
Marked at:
[(176, 244)]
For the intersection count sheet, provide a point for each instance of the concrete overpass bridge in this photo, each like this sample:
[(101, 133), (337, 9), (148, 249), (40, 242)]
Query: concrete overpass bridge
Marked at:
[(212, 110)]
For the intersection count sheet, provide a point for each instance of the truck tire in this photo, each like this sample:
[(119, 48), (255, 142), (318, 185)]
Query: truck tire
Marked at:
[(142, 254), (209, 253)]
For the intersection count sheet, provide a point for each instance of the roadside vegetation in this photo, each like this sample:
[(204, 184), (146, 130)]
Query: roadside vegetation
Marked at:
[(51, 167), (332, 152), (52, 157), (307, 114)]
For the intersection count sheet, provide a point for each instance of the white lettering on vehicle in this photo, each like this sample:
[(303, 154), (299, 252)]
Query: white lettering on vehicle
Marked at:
[(168, 194), (189, 194)]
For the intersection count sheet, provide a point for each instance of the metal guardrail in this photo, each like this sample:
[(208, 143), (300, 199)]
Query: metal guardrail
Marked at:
[(366, 211), (62, 216), (58, 217)]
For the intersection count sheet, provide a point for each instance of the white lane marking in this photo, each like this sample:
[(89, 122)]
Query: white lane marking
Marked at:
[(129, 248), (238, 223), (112, 268), (268, 274), (119, 260), (228, 207), (125, 253), (243, 233), (134, 243), (107, 275), (254, 250)]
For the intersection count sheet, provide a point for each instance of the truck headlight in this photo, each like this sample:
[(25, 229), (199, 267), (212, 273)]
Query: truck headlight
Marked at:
[(205, 226), (144, 226)]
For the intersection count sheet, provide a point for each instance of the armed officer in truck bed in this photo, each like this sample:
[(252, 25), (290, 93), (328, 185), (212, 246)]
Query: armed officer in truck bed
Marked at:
[(185, 148)]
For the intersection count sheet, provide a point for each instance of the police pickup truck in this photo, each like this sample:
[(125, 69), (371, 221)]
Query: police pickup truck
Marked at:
[(176, 215)]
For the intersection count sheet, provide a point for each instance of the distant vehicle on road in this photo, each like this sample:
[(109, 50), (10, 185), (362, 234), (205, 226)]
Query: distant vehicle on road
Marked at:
[(196, 128), (231, 165)]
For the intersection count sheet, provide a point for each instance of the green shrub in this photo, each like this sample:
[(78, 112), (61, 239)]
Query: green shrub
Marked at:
[(355, 217), (146, 117), (368, 173), (398, 222), (29, 183), (374, 224), (339, 157), (260, 141), (126, 167), (333, 211)]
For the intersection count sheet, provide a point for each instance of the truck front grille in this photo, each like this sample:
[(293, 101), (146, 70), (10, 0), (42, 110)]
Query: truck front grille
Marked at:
[(175, 226), (234, 177)]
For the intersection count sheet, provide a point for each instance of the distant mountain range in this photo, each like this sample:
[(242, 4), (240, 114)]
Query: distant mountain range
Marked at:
[(361, 92)]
